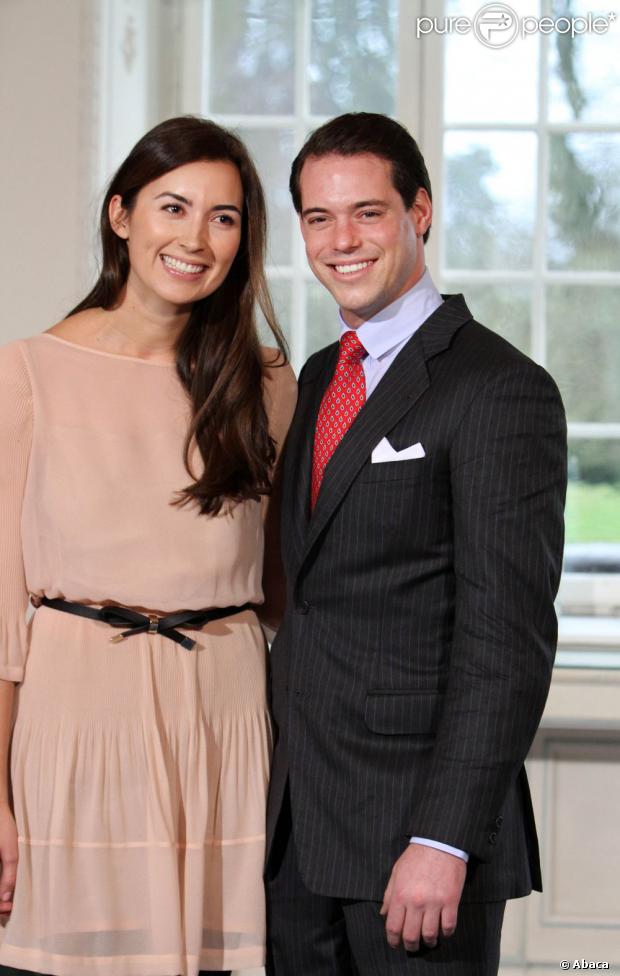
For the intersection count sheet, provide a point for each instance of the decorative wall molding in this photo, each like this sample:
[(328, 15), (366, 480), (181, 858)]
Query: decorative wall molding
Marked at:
[(89, 137), (574, 771), (124, 92)]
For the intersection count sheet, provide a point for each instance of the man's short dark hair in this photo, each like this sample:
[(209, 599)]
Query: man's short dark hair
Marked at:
[(358, 133)]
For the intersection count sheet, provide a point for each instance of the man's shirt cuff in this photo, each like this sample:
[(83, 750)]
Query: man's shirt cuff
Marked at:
[(440, 847)]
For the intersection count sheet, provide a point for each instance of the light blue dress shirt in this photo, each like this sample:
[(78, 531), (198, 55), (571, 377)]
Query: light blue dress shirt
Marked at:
[(383, 336)]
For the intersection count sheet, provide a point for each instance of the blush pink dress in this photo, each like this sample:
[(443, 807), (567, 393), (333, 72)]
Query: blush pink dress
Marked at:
[(139, 769)]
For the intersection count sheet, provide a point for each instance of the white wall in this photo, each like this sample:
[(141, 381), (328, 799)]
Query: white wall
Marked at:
[(44, 162)]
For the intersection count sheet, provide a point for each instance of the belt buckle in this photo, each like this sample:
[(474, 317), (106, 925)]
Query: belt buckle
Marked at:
[(153, 624)]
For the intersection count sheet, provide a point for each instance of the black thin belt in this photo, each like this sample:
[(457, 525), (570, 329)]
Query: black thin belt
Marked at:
[(143, 623)]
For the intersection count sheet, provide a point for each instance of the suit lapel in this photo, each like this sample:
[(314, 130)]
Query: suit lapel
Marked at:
[(405, 381)]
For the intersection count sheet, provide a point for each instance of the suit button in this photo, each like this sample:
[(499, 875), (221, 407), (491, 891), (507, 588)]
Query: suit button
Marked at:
[(303, 607), (492, 838), (499, 821)]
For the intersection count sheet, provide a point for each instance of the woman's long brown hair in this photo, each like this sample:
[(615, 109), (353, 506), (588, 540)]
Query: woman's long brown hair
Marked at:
[(218, 355)]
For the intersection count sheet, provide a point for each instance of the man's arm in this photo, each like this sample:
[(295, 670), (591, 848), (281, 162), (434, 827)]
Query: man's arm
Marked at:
[(508, 474)]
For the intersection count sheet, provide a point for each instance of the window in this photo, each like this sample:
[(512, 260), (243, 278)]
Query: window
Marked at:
[(523, 147), (530, 231), (275, 70)]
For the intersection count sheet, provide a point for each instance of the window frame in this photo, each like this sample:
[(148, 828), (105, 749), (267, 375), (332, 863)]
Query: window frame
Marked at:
[(168, 73), (427, 119)]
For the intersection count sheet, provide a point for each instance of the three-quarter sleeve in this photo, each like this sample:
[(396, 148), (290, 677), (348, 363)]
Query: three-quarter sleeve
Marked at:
[(280, 395), (15, 444), (280, 399)]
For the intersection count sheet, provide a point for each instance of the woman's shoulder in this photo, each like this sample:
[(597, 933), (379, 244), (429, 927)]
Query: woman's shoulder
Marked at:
[(21, 356), (15, 388), (76, 328), (276, 366), (273, 357), (13, 365), (278, 373), (280, 390)]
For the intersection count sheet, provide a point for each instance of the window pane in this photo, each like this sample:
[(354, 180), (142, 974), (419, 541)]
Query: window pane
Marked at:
[(490, 187), (584, 71), (503, 308), (591, 580), (252, 57), (280, 291), (353, 58), (502, 88), (593, 501), (584, 350), (273, 152), (323, 320), (584, 201)]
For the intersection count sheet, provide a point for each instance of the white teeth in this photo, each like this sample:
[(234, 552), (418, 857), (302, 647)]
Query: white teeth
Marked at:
[(350, 268), (182, 265)]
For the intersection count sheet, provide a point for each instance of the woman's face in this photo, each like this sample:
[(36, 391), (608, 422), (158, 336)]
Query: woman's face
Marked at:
[(182, 234)]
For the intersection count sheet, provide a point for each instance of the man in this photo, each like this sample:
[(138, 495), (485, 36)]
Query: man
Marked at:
[(423, 493)]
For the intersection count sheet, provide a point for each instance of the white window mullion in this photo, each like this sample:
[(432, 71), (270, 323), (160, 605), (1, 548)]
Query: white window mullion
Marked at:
[(554, 128), (420, 107), (601, 279), (597, 431), (410, 90), (299, 325), (490, 277), (539, 305), (233, 120), (124, 81), (206, 13)]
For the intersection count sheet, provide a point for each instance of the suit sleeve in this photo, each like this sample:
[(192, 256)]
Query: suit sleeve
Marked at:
[(15, 440), (508, 475)]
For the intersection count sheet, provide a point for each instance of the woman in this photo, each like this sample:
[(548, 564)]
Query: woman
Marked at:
[(139, 436)]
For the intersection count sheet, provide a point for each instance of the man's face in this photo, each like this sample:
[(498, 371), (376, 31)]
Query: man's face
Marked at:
[(361, 241)]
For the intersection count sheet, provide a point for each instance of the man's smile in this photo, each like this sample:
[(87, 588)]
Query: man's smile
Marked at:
[(353, 269)]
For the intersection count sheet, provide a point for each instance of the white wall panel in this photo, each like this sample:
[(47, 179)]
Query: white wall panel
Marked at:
[(46, 52)]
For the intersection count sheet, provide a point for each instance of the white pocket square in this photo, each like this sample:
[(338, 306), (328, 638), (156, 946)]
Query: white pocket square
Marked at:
[(385, 452)]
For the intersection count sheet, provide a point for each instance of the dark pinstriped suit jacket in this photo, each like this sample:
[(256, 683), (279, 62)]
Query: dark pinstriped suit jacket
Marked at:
[(412, 667)]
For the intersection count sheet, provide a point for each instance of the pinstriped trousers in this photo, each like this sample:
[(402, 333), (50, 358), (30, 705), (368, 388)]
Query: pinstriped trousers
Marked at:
[(315, 935)]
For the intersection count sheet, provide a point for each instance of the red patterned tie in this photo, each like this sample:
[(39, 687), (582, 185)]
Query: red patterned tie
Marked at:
[(343, 399)]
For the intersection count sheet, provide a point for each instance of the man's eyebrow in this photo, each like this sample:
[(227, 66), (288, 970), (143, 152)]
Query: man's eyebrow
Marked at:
[(181, 199), (355, 206), (369, 203), (304, 213)]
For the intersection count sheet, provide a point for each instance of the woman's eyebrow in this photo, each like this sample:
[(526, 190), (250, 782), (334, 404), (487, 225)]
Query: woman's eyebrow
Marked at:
[(227, 206), (182, 199), (175, 196)]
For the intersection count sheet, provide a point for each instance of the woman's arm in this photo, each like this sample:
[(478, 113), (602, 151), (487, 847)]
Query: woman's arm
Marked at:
[(280, 400), (15, 444), (8, 830), (274, 583)]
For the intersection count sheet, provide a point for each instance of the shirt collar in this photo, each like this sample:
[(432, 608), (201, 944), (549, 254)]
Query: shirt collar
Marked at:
[(397, 322)]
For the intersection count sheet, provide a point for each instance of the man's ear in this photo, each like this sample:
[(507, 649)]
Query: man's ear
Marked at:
[(422, 211), (118, 216)]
